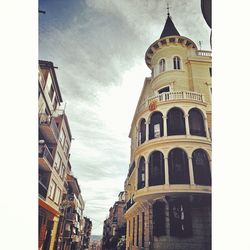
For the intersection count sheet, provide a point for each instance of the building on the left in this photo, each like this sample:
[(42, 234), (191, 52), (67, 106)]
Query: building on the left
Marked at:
[(60, 201)]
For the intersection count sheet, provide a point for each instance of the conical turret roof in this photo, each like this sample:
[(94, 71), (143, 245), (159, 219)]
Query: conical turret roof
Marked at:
[(169, 28)]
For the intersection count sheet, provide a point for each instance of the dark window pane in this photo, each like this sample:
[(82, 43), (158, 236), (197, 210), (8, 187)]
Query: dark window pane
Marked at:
[(141, 173), (156, 169), (196, 123), (176, 122), (156, 125), (159, 219), (178, 167)]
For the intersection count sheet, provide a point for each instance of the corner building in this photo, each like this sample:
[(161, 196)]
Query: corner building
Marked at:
[(168, 187)]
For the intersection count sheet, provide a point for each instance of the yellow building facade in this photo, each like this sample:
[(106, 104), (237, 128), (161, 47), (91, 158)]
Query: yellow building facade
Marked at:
[(168, 187)]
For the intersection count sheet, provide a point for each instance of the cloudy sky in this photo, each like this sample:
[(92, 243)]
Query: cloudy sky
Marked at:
[(99, 47)]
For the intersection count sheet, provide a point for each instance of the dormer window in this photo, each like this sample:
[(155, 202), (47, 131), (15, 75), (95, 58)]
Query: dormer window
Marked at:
[(162, 65), (177, 62)]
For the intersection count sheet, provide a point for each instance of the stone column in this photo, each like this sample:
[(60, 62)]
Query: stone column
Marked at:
[(165, 125), (146, 173), (191, 171), (206, 127), (187, 124), (147, 131), (166, 170)]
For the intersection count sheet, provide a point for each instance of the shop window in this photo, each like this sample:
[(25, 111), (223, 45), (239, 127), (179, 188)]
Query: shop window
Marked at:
[(159, 219), (180, 218)]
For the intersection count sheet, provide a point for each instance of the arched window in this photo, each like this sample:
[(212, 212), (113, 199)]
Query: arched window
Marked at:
[(162, 65), (142, 131), (159, 218), (156, 169), (176, 122), (177, 62), (202, 174), (196, 122), (141, 173), (156, 125), (178, 167)]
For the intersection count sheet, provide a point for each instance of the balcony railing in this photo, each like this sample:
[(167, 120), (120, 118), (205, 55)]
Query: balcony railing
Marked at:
[(48, 127), (42, 190), (203, 53), (169, 96), (128, 205), (46, 156)]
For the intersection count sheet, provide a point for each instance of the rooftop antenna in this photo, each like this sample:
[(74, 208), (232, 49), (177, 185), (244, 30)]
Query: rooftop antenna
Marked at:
[(168, 9), (200, 44)]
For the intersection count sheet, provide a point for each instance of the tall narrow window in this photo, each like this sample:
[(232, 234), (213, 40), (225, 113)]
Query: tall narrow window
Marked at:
[(133, 239), (162, 65), (51, 92), (62, 137), (177, 62), (142, 132), (159, 219), (196, 122), (156, 125), (210, 71), (176, 122), (202, 174), (142, 229), (178, 167), (156, 169), (52, 189), (141, 173), (137, 231), (180, 218), (58, 161)]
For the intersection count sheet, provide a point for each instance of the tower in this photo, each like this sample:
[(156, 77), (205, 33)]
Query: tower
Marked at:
[(168, 186)]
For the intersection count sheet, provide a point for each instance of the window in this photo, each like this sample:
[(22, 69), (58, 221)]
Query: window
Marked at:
[(62, 137), (202, 174), (52, 189), (165, 89), (162, 65), (55, 104), (178, 167), (141, 173), (66, 148), (62, 171), (180, 218), (58, 161), (142, 132), (51, 92), (133, 239), (57, 195), (177, 62), (159, 219), (156, 169), (156, 125), (196, 122), (210, 71), (176, 122), (142, 229), (137, 231)]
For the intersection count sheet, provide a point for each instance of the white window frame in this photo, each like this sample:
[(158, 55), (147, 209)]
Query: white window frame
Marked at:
[(57, 195), (58, 161), (173, 60), (52, 189), (62, 137)]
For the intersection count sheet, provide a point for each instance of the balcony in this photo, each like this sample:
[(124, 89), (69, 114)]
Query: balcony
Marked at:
[(45, 158), (172, 96), (203, 53), (42, 190), (48, 128)]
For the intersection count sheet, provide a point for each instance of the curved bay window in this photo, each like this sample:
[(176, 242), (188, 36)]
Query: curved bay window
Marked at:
[(156, 169), (177, 62), (196, 122), (162, 65), (178, 167), (180, 218), (176, 122), (141, 173), (159, 218), (156, 125), (202, 174), (142, 132)]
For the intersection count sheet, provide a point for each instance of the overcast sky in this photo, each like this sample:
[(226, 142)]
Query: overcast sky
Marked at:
[(99, 47)]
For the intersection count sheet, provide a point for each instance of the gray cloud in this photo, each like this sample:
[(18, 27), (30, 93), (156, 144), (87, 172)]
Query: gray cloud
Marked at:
[(94, 43)]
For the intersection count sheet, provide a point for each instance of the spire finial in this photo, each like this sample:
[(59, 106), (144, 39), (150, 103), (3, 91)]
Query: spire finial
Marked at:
[(168, 9)]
